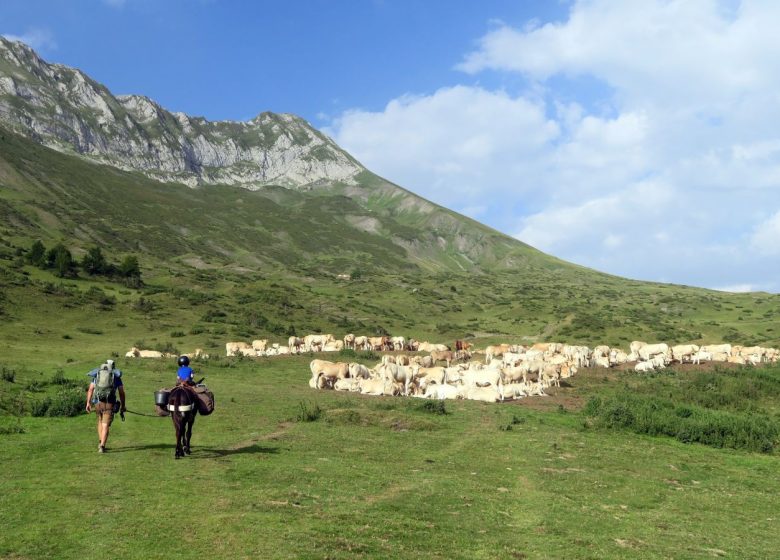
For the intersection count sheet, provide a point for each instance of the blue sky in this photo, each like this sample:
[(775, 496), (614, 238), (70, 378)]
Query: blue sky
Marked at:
[(636, 137), (233, 59)]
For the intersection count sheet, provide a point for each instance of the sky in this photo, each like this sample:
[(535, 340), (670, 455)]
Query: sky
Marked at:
[(636, 137)]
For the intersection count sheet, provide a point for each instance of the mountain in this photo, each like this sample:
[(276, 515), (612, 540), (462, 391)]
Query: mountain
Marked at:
[(64, 109), (268, 228)]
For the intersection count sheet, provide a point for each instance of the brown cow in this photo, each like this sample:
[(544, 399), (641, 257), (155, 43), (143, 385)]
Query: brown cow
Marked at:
[(446, 355)]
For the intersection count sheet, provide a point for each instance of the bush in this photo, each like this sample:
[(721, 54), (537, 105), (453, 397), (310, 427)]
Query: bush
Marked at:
[(687, 423), (9, 375), (59, 378), (12, 429), (39, 407), (434, 407), (514, 422), (34, 386), (308, 412), (143, 305), (67, 402), (167, 348)]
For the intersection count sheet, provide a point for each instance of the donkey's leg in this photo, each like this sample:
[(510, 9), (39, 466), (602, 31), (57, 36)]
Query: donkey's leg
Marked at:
[(177, 422), (189, 432)]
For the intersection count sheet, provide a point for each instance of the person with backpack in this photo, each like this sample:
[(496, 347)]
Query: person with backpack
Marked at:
[(102, 393)]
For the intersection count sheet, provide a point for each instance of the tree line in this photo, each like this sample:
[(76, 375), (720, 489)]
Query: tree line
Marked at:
[(94, 263)]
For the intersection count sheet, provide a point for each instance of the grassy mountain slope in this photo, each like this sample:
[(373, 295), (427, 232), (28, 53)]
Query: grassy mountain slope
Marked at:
[(65, 197), (223, 263)]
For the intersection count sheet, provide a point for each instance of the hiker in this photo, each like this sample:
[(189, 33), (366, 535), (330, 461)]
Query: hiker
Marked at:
[(102, 393), (185, 373)]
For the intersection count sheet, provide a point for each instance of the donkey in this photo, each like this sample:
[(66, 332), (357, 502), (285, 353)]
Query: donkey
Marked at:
[(182, 403)]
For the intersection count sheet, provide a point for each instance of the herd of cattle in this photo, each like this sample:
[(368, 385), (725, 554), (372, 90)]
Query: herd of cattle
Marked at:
[(511, 371), (502, 371)]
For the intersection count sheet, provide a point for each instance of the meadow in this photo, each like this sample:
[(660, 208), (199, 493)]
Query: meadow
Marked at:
[(613, 465), (284, 471)]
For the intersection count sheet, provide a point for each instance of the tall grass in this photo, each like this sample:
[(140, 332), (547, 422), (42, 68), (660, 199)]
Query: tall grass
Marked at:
[(721, 408)]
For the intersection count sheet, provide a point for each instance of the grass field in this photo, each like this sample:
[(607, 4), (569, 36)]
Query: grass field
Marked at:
[(605, 468), (374, 477)]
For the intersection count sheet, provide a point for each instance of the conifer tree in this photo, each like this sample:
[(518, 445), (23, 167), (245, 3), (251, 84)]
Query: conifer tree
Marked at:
[(37, 254)]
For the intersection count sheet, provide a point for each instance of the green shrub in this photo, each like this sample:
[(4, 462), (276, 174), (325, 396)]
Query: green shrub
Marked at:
[(9, 375), (12, 429), (688, 423), (34, 386), (58, 378), (512, 423), (308, 412), (434, 407), (38, 407), (66, 402), (167, 348)]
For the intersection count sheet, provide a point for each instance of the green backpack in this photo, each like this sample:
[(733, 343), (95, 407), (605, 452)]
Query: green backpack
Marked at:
[(104, 383)]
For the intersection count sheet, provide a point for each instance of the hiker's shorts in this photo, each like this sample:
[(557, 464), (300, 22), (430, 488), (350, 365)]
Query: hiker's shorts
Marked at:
[(105, 412)]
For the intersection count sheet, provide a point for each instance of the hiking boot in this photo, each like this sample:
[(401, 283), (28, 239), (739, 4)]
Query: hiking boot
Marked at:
[(101, 449)]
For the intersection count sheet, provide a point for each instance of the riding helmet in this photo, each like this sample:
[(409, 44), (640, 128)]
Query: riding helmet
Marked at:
[(184, 361)]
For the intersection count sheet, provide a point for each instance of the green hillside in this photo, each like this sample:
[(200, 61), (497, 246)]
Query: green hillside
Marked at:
[(225, 263)]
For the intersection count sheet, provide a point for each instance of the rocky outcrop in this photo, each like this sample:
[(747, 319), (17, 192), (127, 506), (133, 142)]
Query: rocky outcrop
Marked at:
[(63, 108)]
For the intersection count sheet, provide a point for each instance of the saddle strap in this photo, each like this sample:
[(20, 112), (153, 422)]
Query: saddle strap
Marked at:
[(182, 408)]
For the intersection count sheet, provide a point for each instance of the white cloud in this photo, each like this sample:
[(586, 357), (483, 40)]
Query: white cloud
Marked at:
[(738, 288), (453, 145), (765, 239), (670, 173), (39, 39)]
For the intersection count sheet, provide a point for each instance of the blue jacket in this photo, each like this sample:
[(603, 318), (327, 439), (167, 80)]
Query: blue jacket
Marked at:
[(185, 374)]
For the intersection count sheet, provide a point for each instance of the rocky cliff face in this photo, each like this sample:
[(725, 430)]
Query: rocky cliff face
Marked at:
[(63, 108)]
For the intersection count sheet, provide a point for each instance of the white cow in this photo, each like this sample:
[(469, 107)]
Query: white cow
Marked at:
[(398, 374), (484, 394), (316, 342), (398, 342), (378, 387), (684, 352), (716, 349), (359, 371), (361, 342), (138, 353), (701, 356), (347, 384), (239, 349), (295, 344), (649, 351), (644, 366), (442, 392)]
